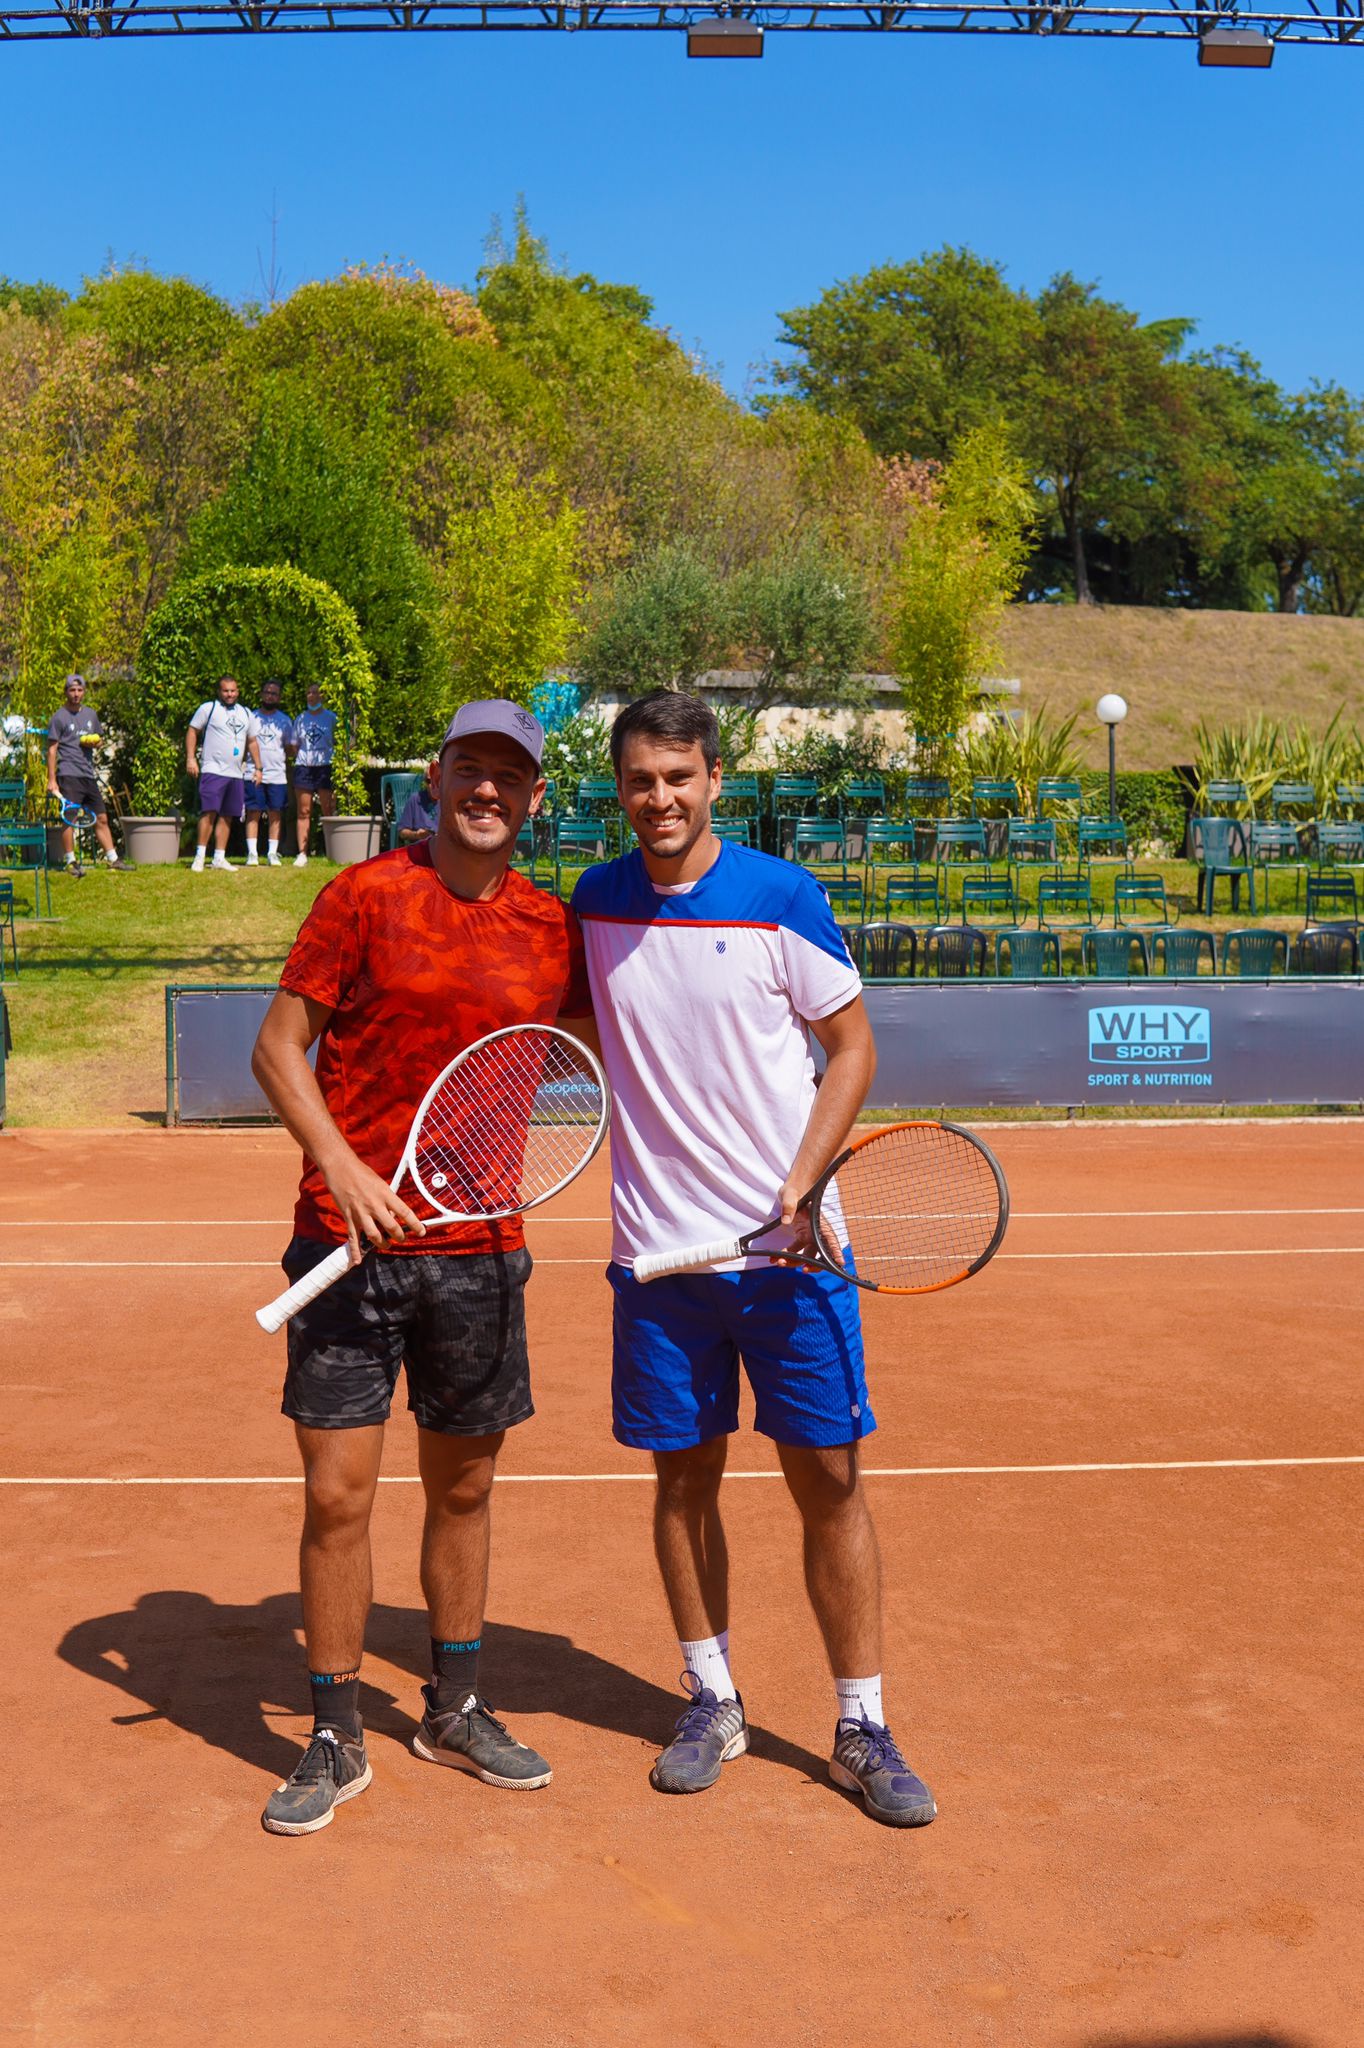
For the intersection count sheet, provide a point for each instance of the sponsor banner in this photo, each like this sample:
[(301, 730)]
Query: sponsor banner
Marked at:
[(1066, 1043), (210, 1037)]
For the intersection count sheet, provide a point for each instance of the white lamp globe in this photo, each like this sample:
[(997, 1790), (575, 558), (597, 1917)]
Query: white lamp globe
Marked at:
[(1112, 709)]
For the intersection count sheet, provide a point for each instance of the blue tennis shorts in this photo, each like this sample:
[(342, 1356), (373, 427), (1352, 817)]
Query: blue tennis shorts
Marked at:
[(678, 1343), (266, 796)]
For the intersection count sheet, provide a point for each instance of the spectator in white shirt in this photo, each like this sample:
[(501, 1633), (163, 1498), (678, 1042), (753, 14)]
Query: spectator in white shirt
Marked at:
[(275, 736), (229, 733)]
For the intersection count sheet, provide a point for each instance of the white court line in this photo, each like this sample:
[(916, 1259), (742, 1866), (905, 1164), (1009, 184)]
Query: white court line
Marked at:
[(535, 1220), (1301, 1251), (646, 1478)]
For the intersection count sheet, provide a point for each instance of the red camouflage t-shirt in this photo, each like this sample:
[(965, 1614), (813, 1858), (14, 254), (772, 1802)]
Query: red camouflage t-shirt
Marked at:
[(412, 974)]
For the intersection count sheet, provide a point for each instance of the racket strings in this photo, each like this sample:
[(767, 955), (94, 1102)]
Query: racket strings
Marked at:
[(514, 1121), (920, 1206)]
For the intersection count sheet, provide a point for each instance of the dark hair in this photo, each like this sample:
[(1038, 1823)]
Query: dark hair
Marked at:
[(671, 716)]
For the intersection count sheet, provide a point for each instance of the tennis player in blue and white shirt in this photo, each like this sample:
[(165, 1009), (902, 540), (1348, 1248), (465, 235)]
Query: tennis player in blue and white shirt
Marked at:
[(712, 966)]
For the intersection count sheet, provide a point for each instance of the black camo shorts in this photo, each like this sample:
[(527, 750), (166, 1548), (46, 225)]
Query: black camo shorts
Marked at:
[(457, 1320)]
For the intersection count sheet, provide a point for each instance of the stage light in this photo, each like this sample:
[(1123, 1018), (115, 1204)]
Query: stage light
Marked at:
[(1245, 48), (724, 35)]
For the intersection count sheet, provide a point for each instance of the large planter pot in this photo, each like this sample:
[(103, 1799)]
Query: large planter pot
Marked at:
[(351, 839), (151, 842)]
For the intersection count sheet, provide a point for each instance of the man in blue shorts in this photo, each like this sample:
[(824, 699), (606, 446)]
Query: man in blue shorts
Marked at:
[(315, 748), (711, 966), (275, 737), (220, 736)]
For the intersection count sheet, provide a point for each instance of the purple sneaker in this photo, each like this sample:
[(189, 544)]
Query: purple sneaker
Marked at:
[(708, 1734), (867, 1759)]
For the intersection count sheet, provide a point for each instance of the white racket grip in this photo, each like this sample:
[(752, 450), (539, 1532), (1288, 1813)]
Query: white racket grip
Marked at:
[(276, 1313), (652, 1265)]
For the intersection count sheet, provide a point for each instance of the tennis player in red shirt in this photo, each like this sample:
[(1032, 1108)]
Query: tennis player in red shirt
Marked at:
[(402, 961)]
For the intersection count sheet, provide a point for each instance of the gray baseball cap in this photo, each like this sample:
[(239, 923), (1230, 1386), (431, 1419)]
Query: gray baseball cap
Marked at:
[(495, 714)]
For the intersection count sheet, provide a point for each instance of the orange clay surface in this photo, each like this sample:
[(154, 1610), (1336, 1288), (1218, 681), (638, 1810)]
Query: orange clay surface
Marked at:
[(1136, 1693)]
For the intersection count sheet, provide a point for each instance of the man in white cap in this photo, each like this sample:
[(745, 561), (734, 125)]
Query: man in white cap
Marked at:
[(403, 960)]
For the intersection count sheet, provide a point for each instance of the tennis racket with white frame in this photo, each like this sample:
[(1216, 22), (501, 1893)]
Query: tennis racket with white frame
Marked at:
[(919, 1206), (509, 1122)]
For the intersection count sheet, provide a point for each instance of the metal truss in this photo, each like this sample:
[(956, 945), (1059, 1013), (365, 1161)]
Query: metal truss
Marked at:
[(1328, 23)]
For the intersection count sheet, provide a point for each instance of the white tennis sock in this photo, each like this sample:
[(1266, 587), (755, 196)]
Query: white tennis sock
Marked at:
[(708, 1661), (859, 1699)]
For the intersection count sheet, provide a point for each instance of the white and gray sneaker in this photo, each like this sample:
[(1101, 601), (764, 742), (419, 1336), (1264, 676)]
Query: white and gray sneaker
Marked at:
[(332, 1769), (867, 1759), (470, 1738), (707, 1735)]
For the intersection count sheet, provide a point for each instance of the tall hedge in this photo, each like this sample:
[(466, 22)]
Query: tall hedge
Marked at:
[(248, 623)]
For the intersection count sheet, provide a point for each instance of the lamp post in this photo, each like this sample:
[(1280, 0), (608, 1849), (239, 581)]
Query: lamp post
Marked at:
[(1112, 710)]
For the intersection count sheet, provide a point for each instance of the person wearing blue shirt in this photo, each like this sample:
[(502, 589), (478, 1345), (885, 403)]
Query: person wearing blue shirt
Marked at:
[(421, 812), (275, 738), (314, 750)]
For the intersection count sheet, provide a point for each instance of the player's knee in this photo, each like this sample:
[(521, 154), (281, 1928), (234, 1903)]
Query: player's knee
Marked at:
[(464, 1491), (824, 1490), (336, 1505), (690, 1481)]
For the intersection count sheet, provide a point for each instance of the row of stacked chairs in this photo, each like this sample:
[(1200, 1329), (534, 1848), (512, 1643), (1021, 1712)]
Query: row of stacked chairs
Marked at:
[(886, 950)]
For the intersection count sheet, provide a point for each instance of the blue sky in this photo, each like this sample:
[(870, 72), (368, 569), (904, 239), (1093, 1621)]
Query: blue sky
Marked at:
[(726, 190)]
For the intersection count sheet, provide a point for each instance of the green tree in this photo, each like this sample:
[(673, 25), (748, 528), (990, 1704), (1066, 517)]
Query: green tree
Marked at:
[(915, 353), (661, 624), (149, 321), (1335, 423), (1093, 415), (803, 619), (511, 582), (964, 555), (306, 496)]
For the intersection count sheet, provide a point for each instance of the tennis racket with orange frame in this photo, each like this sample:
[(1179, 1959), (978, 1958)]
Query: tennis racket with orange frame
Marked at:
[(919, 1206)]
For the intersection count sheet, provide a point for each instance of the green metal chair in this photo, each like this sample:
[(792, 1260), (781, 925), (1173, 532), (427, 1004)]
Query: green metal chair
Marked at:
[(739, 830), (1180, 951), (1254, 955), (1107, 955), (394, 790), (820, 843), (1033, 956), (916, 891), (887, 951), (1340, 843), (23, 850), (1031, 842), (793, 797), (846, 900), (1224, 857), (957, 842), (1350, 796), (1278, 847), (589, 837), (1056, 789), (13, 799), (740, 802), (864, 797), (1105, 837), (954, 952), (598, 797), (1328, 949), (7, 918), (1140, 900), (527, 848), (1065, 903), (988, 896), (886, 842), (923, 791), (1228, 793), (1292, 796), (994, 793), (1331, 896)]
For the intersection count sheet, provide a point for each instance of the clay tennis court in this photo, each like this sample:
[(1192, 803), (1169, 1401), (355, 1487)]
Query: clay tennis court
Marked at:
[(1118, 1485)]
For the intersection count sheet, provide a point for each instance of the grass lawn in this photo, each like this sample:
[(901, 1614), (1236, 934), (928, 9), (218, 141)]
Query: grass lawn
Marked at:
[(87, 1010)]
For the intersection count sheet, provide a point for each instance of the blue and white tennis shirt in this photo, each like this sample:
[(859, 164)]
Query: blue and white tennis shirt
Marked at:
[(700, 994)]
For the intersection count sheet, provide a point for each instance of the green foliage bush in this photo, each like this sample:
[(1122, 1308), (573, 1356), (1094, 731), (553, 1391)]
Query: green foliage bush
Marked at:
[(1152, 806), (307, 495), (580, 746), (250, 623)]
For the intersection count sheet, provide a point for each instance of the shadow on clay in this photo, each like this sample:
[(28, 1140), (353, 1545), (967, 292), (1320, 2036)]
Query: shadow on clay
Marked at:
[(1200, 2041), (226, 1673)]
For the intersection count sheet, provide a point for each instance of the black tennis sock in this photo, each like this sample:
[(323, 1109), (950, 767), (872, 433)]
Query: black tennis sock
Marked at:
[(336, 1701), (454, 1672)]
